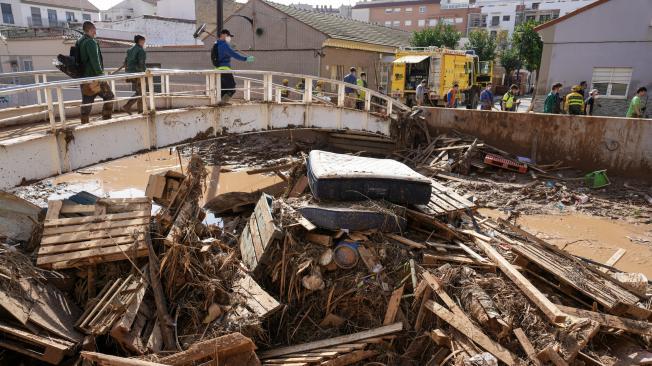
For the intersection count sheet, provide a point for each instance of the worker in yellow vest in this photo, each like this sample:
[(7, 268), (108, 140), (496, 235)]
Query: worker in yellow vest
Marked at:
[(574, 101), (509, 102), (362, 81)]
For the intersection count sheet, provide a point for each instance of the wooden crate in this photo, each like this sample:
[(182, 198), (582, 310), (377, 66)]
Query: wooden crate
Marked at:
[(44, 348), (110, 230), (444, 200), (259, 233)]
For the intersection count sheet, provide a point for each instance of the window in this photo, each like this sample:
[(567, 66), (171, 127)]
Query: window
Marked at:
[(388, 23), (422, 9), (7, 13), (530, 18), (36, 17), (52, 17), (397, 10), (495, 20), (422, 22), (397, 23), (432, 22), (506, 18), (448, 20), (388, 10), (459, 20), (70, 16), (493, 34), (408, 10), (86, 17), (535, 6), (408, 23), (27, 65), (612, 81)]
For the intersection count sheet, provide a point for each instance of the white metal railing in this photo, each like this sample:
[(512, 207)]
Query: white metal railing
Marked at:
[(251, 85)]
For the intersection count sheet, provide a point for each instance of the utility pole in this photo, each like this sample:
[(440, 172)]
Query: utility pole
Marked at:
[(220, 16)]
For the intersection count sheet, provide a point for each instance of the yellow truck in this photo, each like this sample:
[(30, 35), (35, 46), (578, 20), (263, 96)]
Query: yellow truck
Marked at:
[(441, 67)]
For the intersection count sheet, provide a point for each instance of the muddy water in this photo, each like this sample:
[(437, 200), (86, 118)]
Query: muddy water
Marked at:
[(593, 237), (128, 177)]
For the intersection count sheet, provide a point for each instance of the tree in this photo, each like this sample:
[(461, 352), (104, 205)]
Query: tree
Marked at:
[(528, 44), (483, 44), (443, 35), (509, 60)]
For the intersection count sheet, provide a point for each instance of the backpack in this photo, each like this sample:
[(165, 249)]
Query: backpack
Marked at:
[(215, 57), (71, 65)]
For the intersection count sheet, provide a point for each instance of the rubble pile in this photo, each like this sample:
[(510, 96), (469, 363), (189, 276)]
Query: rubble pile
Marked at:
[(355, 261)]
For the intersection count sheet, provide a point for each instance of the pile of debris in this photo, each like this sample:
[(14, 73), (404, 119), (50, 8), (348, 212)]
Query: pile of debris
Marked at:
[(354, 260)]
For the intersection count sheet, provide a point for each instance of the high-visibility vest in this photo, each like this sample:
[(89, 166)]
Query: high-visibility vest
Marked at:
[(361, 93), (508, 100), (575, 103)]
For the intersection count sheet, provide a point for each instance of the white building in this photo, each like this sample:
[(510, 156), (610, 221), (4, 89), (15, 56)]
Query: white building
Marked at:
[(178, 9), (46, 13), (158, 31), (504, 15), (129, 9)]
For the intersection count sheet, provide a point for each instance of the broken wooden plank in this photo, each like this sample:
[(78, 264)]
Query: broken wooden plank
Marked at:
[(351, 358), (98, 218), (440, 338), (299, 187), (47, 349), (53, 209), (406, 241), (614, 259), (549, 354), (355, 337), (551, 311), (393, 305), (255, 298), (611, 321), (102, 359), (221, 348), (469, 330), (433, 259), (51, 231), (527, 346), (321, 239), (309, 226)]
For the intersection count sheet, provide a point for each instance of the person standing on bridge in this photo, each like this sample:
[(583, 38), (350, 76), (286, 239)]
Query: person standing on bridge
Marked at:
[(221, 56), (92, 66), (135, 62), (509, 103), (362, 81), (350, 93)]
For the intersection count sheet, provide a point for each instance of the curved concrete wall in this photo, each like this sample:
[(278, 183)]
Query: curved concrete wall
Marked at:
[(42, 155)]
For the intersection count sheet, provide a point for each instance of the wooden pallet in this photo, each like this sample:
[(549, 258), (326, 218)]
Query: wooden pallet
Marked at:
[(444, 201), (110, 230), (114, 299), (47, 349), (259, 233)]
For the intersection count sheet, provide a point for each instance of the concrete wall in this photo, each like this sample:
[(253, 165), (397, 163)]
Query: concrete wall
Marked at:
[(614, 34), (623, 146), (44, 154)]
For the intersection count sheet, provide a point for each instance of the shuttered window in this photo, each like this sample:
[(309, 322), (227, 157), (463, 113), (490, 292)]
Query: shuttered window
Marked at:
[(612, 81)]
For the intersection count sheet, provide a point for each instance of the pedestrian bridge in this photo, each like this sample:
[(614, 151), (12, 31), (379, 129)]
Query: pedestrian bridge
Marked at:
[(41, 134)]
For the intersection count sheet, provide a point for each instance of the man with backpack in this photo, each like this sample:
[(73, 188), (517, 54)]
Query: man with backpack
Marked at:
[(221, 55), (135, 62), (90, 60)]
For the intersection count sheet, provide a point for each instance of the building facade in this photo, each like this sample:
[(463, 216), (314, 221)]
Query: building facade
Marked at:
[(591, 44), (415, 15), (129, 9), (158, 31), (46, 13), (503, 15)]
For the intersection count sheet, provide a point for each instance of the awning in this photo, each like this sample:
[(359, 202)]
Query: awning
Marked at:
[(412, 59)]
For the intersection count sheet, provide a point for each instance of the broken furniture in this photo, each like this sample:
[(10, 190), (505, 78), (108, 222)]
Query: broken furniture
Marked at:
[(445, 201), (162, 188), (109, 230), (258, 234)]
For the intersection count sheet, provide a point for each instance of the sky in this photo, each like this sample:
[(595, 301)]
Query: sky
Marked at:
[(105, 4)]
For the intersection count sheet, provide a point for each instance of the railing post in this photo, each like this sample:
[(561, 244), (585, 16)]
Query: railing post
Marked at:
[(48, 100), (218, 87), (367, 101), (340, 94), (247, 89), (143, 93), (150, 84), (278, 95), (38, 92), (44, 79), (209, 79), (62, 109), (307, 91), (268, 87), (389, 107)]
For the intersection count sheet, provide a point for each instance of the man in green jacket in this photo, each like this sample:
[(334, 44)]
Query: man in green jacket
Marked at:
[(135, 62), (91, 61)]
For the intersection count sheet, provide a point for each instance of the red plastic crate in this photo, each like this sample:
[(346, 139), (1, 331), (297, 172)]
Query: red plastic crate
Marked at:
[(501, 162)]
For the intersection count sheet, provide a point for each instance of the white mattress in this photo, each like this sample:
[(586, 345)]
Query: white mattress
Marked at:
[(327, 165)]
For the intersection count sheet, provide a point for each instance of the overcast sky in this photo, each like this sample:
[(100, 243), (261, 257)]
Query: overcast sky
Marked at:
[(105, 4)]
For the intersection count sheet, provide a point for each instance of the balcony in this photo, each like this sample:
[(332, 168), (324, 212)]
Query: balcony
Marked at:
[(45, 23)]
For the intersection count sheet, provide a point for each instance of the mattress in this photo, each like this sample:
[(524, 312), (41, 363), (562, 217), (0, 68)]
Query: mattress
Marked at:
[(354, 218), (341, 177)]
